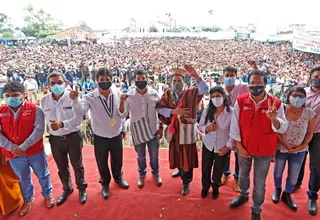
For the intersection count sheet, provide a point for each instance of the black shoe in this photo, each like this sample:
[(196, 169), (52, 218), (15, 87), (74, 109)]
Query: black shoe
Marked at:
[(204, 193), (141, 181), (238, 201), (64, 197), (122, 183), (215, 193), (105, 192), (157, 180), (176, 173), (313, 207), (255, 216), (83, 195), (185, 189), (276, 196), (287, 199)]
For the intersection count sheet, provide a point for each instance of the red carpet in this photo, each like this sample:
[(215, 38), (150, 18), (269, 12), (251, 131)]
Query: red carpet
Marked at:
[(154, 202)]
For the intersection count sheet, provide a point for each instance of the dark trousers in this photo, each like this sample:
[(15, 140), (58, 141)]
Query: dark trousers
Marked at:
[(314, 181), (186, 176), (102, 147), (301, 173), (61, 147), (210, 159)]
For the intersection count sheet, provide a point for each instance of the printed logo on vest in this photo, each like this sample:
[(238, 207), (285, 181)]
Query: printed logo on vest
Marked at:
[(5, 115), (27, 112), (246, 108)]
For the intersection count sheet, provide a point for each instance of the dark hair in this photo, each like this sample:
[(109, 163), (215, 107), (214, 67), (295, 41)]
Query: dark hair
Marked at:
[(56, 74), (140, 72), (103, 72), (314, 69), (295, 89), (211, 108), (13, 87), (230, 69), (258, 73)]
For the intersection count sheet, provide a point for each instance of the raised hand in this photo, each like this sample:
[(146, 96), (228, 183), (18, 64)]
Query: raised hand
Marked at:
[(191, 71), (272, 110), (74, 95)]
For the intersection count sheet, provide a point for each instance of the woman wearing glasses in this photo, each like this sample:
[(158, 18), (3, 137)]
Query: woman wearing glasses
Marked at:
[(292, 145)]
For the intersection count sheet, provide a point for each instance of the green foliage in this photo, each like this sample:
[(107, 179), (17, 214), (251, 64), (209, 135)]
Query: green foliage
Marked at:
[(37, 21), (174, 30), (7, 34), (211, 29), (4, 19), (4, 30), (45, 33), (84, 26)]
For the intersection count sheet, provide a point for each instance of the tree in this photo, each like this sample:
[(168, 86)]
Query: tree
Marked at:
[(38, 20), (84, 26), (211, 29), (7, 34), (4, 19)]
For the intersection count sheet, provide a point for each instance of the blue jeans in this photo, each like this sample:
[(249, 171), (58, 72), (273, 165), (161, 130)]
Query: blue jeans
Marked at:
[(22, 168), (153, 148), (294, 166), (227, 170)]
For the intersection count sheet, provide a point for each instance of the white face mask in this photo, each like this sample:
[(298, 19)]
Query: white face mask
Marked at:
[(218, 101)]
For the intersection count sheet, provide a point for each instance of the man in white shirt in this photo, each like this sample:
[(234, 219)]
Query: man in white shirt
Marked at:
[(141, 102), (31, 87), (63, 114), (108, 128), (3, 81)]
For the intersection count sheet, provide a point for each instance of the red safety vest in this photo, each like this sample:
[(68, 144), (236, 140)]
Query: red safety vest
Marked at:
[(17, 131), (257, 136)]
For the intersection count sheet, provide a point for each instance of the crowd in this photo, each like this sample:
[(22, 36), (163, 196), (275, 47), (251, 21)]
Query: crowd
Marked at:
[(240, 116)]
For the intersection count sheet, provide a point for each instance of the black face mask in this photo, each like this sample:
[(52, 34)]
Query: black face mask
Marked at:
[(315, 83), (256, 90), (105, 85), (141, 84)]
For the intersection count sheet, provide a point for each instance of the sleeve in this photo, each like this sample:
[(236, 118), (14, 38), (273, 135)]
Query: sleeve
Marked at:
[(202, 88), (76, 120), (311, 113), (125, 113), (5, 143), (85, 104), (202, 124), (123, 125), (38, 130), (235, 128), (282, 120), (165, 112)]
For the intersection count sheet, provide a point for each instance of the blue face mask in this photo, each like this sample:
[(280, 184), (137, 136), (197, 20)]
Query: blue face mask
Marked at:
[(229, 81), (58, 89), (297, 102), (13, 101)]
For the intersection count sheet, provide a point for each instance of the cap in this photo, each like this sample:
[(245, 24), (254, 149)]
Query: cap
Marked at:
[(177, 71)]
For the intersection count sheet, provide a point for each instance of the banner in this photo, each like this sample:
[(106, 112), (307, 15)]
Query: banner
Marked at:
[(305, 42)]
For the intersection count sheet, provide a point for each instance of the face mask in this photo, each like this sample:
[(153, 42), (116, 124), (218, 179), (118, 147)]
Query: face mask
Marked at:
[(58, 89), (297, 102), (178, 86), (217, 102), (13, 101), (256, 90), (229, 81), (105, 85), (315, 83), (141, 84)]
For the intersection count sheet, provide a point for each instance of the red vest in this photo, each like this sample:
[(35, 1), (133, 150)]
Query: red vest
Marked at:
[(256, 132), (17, 131)]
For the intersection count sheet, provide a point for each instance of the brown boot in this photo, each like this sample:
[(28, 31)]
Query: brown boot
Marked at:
[(26, 207), (224, 179), (49, 202)]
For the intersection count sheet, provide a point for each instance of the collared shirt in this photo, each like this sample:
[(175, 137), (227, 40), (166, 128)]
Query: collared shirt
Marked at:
[(313, 102), (215, 140), (235, 128), (203, 89), (238, 90), (35, 136), (65, 110), (140, 106), (30, 84), (99, 117)]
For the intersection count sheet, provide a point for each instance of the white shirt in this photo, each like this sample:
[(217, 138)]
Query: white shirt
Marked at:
[(141, 106), (215, 140), (99, 117), (238, 90), (30, 84), (235, 128), (66, 110)]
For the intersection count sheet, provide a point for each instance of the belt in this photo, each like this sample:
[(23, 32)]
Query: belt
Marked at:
[(63, 136)]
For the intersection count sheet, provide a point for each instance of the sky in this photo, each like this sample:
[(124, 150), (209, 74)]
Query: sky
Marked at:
[(117, 13)]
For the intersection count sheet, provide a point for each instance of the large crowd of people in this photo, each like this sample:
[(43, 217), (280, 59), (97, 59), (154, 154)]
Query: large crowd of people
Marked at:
[(109, 84)]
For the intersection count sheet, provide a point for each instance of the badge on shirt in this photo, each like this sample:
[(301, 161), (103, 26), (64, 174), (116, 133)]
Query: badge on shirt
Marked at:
[(27, 112), (67, 107), (246, 108), (5, 115)]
